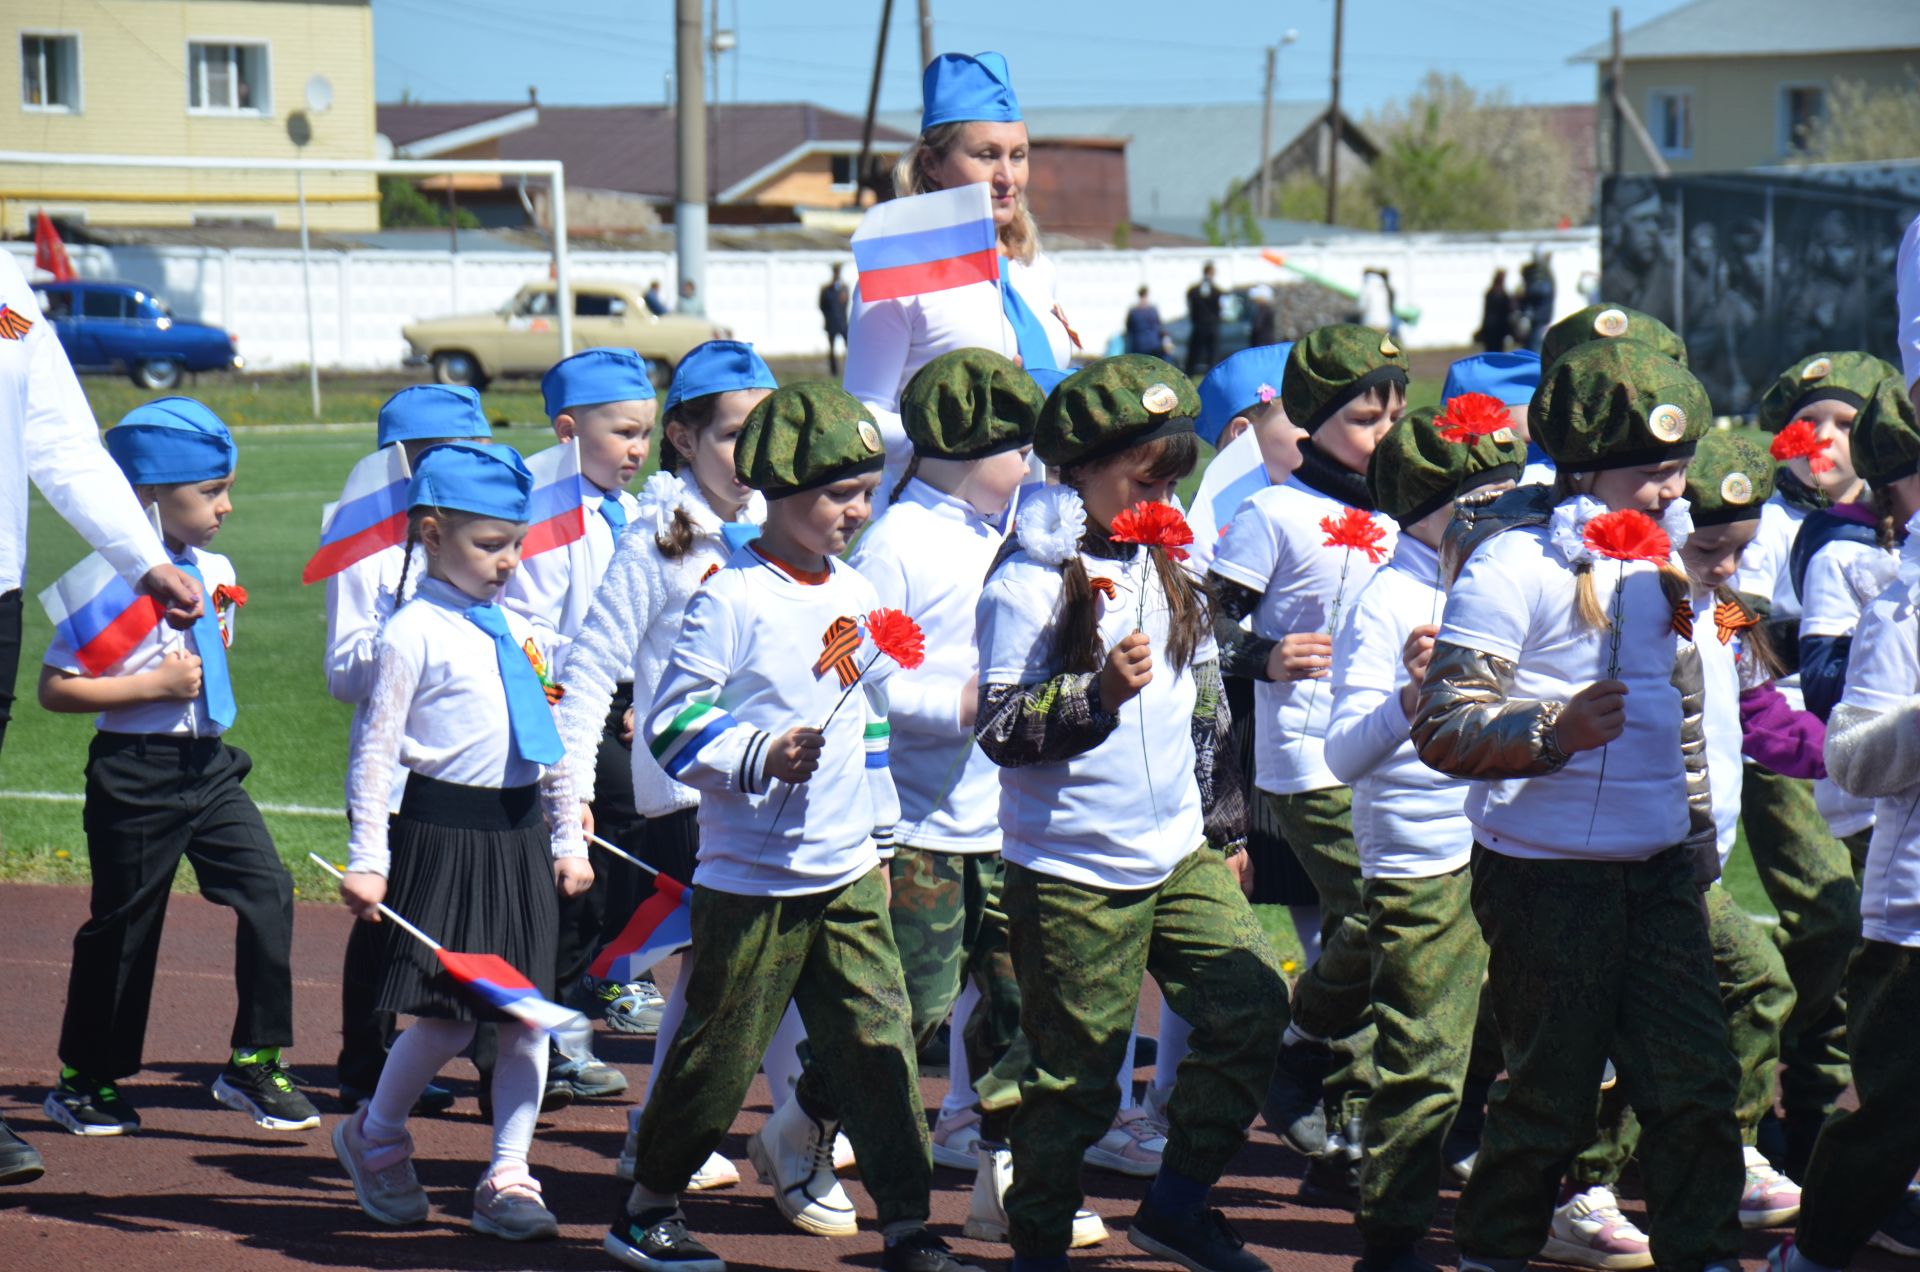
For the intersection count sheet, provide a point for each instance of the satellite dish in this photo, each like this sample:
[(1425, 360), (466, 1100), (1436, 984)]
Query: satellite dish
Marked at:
[(299, 128), (319, 94)]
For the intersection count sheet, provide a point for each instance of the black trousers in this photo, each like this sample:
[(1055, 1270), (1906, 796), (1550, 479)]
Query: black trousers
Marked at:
[(152, 799), (9, 655), (590, 920), (366, 1033)]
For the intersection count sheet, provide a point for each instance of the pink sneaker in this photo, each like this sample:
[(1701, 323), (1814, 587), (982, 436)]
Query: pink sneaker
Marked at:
[(508, 1205), (956, 1140), (1590, 1231), (1132, 1147), (1770, 1199), (382, 1173)]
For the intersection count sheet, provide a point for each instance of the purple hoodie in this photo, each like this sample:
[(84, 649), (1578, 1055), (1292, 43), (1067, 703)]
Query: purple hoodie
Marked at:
[(1777, 737)]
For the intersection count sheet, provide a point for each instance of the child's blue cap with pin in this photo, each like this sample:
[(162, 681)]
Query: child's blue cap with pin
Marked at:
[(1236, 384), (1511, 377), (718, 366), (594, 376), (169, 441), (436, 411), (476, 477), (956, 88)]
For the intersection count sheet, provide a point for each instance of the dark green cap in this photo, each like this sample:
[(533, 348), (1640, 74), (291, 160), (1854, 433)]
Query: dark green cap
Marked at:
[(1848, 376), (969, 404), (1886, 440), (1616, 404), (805, 435), (1415, 470), (1728, 479), (1333, 365), (1609, 322), (1114, 405)]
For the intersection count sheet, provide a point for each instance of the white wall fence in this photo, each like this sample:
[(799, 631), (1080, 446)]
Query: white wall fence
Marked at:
[(363, 298)]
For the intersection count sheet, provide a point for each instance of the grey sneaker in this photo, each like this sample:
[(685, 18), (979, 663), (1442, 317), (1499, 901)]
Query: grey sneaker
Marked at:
[(590, 1077), (508, 1205), (382, 1174)]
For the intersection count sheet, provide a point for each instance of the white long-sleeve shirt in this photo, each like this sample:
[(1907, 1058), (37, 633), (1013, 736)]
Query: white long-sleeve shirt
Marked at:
[(554, 590), (47, 432)]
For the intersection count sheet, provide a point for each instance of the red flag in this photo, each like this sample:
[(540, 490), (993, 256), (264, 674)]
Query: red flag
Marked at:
[(49, 253)]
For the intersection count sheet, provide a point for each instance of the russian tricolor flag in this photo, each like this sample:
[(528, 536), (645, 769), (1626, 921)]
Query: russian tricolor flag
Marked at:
[(558, 512), (493, 981), (662, 924), (927, 243), (371, 514), (98, 614)]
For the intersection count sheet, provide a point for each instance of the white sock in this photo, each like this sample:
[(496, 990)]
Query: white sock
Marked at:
[(418, 1054), (670, 1018), (1306, 926), (1174, 1033), (1126, 1065), (781, 1064), (959, 1096), (519, 1080), (643, 1199)]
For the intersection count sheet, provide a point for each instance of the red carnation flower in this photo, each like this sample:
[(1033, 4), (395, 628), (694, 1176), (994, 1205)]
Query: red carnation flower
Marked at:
[(1801, 440), (1156, 525), (1355, 531), (1628, 536), (229, 594), (898, 637), (1472, 415)]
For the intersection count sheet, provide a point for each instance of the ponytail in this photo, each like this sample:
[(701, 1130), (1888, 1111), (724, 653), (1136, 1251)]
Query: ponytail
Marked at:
[(1759, 645), (913, 467), (1887, 527), (406, 560), (678, 536), (1674, 585)]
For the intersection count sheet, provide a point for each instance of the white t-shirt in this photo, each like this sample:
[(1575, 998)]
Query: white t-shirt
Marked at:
[(1766, 572), (929, 557), (1841, 580), (1884, 675), (1409, 821), (1514, 599), (554, 590), (1125, 812), (1721, 674), (1276, 546), (1907, 292)]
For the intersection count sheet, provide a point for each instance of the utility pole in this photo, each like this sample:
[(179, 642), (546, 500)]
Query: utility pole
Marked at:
[(1615, 69), (863, 177), (926, 33), (1333, 117), (690, 161), (1266, 132)]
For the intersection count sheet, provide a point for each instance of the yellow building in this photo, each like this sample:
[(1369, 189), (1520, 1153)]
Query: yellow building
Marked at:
[(199, 78)]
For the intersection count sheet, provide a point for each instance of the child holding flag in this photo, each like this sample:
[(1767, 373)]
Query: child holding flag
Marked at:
[(163, 784), (468, 858)]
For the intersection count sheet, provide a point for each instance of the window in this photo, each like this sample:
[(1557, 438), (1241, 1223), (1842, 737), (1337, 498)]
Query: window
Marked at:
[(1802, 106), (102, 304), (598, 305), (55, 302), (845, 178), (1670, 120), (50, 72), (228, 79)]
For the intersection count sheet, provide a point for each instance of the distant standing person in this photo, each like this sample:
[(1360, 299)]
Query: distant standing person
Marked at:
[(833, 313), (656, 303), (1203, 322), (1145, 334), (690, 302), (1496, 315), (1536, 294), (1260, 316)]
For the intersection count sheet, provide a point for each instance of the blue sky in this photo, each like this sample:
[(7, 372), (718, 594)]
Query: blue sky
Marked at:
[(1133, 51)]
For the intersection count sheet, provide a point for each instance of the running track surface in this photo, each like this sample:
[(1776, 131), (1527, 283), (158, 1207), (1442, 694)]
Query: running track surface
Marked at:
[(202, 1188)]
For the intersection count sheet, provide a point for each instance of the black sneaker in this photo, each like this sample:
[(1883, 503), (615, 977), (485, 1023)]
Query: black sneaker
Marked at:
[(922, 1252), (86, 1107), (434, 1100), (19, 1163), (1293, 1109), (1332, 1181), (557, 1095), (1900, 1232), (658, 1241), (266, 1092), (1392, 1259), (1200, 1240)]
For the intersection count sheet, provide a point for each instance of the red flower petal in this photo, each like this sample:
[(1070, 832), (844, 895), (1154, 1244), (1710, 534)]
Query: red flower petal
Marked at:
[(1155, 525), (1472, 415), (1801, 440), (898, 637), (1356, 531), (1628, 535)]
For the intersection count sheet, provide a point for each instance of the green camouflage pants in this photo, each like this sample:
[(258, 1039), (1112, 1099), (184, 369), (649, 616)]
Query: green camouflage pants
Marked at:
[(1429, 960), (1811, 879), (1865, 1158), (831, 953), (1590, 960), (950, 927), (1757, 994), (1332, 998), (1081, 953)]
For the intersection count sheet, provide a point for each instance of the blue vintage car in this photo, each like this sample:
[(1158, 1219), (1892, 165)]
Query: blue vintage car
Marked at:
[(122, 327)]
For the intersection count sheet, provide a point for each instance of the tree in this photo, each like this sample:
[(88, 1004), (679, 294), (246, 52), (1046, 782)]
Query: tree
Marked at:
[(402, 206), (1230, 220), (1863, 123)]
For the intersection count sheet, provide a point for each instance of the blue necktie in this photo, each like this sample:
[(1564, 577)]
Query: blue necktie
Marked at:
[(738, 534), (216, 688), (535, 739), (1036, 351), (615, 515)]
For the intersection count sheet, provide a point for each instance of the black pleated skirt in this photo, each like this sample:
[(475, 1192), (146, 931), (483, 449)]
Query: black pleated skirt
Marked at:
[(472, 867)]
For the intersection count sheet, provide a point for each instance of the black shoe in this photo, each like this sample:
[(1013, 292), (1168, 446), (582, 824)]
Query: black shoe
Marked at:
[(1332, 1180), (1900, 1232), (557, 1096), (19, 1163), (87, 1107), (658, 1241), (1392, 1259), (922, 1252), (1200, 1240), (434, 1100), (265, 1092), (1292, 1109)]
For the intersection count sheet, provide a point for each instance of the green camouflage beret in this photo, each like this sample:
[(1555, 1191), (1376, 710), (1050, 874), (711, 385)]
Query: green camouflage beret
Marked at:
[(1838, 377), (1415, 470), (1114, 405), (1728, 479), (969, 404), (1609, 322), (1333, 365), (1886, 440), (1617, 404), (805, 435)]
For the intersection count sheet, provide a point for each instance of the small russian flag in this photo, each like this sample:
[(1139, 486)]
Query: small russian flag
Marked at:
[(927, 243), (558, 513), (98, 614), (371, 514), (493, 981), (662, 924)]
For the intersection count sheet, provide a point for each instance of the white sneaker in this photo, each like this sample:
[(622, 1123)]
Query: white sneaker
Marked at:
[(508, 1204), (795, 1154), (842, 1152), (1590, 1231), (1132, 1147), (1154, 1105), (1769, 1199), (956, 1140), (716, 1172), (987, 1210)]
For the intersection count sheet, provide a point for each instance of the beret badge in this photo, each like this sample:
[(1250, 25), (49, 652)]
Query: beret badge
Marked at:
[(1388, 348), (1667, 422), (1610, 323), (1736, 488), (1818, 369), (1159, 399), (869, 436)]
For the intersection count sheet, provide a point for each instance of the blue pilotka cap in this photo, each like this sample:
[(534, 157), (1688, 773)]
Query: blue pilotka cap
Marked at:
[(718, 366), (476, 477), (594, 376), (1511, 377), (1234, 385), (170, 441), (436, 411), (956, 88)]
